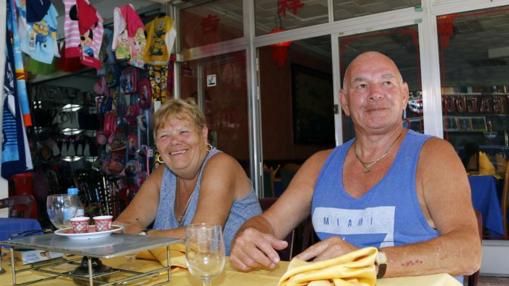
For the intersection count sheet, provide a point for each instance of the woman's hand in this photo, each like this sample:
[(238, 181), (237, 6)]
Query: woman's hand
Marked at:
[(326, 249)]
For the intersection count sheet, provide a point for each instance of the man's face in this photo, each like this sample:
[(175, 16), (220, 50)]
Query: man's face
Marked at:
[(374, 94)]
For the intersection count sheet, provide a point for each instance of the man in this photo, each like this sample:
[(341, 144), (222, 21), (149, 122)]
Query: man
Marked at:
[(395, 189)]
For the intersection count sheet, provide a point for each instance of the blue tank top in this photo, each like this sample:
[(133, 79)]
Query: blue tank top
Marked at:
[(241, 209), (388, 214)]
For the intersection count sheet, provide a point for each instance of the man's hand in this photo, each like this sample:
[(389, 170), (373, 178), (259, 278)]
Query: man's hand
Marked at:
[(326, 249), (253, 249)]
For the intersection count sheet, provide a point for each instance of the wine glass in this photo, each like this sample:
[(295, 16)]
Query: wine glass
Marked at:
[(61, 208), (205, 254)]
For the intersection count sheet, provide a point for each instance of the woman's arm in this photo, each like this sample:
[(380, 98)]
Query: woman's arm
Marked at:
[(142, 210)]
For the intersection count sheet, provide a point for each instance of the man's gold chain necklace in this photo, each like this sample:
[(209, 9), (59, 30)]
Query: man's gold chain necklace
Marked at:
[(367, 165)]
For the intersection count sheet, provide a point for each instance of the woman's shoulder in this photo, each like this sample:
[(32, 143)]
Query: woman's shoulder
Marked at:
[(223, 162)]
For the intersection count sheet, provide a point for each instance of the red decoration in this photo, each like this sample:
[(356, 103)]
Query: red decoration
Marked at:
[(281, 7), (210, 23), (293, 5), (280, 50), (445, 29)]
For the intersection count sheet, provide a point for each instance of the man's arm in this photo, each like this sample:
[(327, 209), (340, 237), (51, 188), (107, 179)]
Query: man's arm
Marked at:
[(258, 239), (444, 192)]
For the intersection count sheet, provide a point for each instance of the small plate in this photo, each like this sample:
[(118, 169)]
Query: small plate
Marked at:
[(92, 234)]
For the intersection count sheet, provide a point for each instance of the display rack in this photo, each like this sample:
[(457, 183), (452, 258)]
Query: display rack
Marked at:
[(112, 246)]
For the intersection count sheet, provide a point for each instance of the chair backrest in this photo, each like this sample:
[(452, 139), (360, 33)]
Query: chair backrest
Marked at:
[(19, 206), (503, 201), (299, 239)]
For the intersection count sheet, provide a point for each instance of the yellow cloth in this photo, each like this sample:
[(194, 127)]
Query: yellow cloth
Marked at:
[(486, 168), (177, 255), (230, 277), (356, 268)]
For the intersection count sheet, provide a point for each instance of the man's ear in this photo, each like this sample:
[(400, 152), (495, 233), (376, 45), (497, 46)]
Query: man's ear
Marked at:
[(405, 95), (343, 99)]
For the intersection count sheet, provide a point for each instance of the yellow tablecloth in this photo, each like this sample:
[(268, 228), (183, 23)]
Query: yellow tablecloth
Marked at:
[(230, 277)]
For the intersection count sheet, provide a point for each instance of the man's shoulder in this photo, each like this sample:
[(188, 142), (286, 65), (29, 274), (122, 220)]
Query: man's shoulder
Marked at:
[(322, 155), (436, 150)]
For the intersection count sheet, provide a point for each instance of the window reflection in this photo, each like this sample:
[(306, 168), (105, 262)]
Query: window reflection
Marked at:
[(474, 63), (296, 101), (211, 23), (272, 15), (224, 97), (402, 45), (351, 9)]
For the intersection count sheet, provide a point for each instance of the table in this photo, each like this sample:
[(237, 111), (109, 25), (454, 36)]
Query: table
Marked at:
[(114, 245), (10, 226), (231, 277), (485, 200)]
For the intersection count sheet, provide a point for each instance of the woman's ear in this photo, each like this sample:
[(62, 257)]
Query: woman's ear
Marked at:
[(205, 133)]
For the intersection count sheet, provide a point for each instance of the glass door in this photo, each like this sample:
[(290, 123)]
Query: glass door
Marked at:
[(218, 84), (402, 45)]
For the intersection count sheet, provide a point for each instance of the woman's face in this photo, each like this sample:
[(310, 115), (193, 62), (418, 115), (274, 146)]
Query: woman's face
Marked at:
[(182, 145)]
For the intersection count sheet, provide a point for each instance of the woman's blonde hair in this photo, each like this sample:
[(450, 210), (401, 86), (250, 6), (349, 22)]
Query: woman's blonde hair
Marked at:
[(181, 109)]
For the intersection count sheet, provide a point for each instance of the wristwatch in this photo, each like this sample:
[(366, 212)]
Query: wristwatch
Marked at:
[(381, 264)]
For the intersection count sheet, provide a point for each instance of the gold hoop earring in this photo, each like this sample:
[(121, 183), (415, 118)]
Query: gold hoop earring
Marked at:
[(209, 147), (158, 158)]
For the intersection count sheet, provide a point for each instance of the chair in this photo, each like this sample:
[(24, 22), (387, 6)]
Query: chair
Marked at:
[(268, 181), (19, 206), (299, 239), (503, 201), (474, 278)]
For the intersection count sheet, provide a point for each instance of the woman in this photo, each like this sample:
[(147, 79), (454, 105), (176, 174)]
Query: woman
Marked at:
[(196, 184)]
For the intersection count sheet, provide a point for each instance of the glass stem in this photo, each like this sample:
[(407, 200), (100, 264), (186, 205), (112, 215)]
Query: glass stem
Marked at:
[(207, 281)]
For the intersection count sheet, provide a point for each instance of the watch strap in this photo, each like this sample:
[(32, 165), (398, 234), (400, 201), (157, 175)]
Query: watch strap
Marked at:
[(381, 264)]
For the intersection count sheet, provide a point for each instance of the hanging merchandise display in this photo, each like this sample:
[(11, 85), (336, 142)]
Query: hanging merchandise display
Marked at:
[(37, 9), (158, 76), (91, 29), (71, 30), (161, 36), (66, 63), (38, 39), (16, 156), (134, 77), (18, 65), (128, 35)]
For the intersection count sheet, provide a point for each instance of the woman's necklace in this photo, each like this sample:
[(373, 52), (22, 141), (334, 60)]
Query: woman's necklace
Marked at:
[(367, 165), (180, 219)]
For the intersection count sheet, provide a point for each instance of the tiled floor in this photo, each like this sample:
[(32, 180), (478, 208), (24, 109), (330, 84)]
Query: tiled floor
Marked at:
[(493, 281)]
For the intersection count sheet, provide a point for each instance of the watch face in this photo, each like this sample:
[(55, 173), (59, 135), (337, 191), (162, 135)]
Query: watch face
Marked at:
[(381, 258)]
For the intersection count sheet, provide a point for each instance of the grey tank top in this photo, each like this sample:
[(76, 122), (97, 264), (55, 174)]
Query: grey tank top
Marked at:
[(241, 210)]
